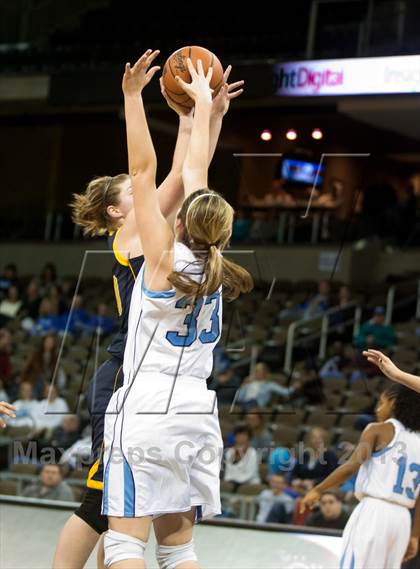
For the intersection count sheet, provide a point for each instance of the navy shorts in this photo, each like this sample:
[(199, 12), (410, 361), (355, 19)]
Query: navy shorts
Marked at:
[(107, 379)]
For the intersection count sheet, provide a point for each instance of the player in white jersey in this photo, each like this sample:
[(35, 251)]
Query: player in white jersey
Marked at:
[(387, 462), (162, 437)]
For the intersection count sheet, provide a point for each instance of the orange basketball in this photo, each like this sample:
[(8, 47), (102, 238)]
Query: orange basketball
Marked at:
[(177, 65)]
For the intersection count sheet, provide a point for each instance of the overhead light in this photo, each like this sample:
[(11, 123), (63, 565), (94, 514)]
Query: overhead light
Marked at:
[(291, 134), (317, 134), (266, 135)]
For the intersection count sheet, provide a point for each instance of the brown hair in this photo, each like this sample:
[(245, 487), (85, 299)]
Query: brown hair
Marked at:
[(207, 219), (89, 209), (36, 368)]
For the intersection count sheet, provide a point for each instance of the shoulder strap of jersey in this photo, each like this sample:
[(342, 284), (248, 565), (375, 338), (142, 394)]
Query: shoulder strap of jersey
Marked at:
[(398, 427)]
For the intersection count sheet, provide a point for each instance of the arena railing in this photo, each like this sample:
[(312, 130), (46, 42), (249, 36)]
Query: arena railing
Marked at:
[(392, 303), (322, 334)]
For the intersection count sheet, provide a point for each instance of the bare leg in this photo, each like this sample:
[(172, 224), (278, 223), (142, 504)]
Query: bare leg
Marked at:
[(100, 554), (176, 529), (76, 542), (136, 527)]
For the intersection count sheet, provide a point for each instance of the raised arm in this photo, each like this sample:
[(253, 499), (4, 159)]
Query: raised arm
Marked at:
[(196, 163), (155, 234), (171, 190), (388, 368), (220, 107)]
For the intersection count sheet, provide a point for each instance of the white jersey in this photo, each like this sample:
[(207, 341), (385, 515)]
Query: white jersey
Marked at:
[(166, 335), (393, 473)]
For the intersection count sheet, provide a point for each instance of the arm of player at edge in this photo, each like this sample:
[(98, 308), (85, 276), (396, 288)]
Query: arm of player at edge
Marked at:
[(391, 371), (367, 444)]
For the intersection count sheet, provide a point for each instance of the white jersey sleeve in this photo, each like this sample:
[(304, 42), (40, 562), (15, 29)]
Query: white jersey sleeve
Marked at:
[(166, 333), (393, 473)]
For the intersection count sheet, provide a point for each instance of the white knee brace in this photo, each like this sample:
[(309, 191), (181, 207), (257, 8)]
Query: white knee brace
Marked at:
[(120, 546), (170, 556)]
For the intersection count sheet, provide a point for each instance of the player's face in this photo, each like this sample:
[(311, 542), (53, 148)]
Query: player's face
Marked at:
[(384, 409), (125, 204)]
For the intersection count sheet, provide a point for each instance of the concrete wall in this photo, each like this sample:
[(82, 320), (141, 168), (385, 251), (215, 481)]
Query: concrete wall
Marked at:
[(361, 266)]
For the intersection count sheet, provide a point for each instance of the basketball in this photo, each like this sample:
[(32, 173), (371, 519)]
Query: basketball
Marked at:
[(176, 64)]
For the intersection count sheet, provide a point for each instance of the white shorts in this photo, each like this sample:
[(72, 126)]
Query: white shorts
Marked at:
[(162, 449), (376, 535)]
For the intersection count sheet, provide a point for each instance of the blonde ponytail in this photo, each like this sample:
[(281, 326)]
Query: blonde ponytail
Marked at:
[(207, 220)]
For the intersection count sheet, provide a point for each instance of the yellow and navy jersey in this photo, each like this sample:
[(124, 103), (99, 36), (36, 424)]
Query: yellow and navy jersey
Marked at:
[(124, 274)]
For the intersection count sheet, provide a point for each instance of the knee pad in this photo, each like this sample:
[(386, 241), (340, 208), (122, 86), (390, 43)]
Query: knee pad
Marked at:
[(120, 546), (170, 556)]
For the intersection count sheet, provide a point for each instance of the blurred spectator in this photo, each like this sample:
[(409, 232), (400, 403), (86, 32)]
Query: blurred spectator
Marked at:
[(5, 363), (375, 333), (334, 366), (41, 366), (260, 436), (290, 311), (102, 322), (47, 278), (258, 390), (310, 388), (50, 485), (317, 461), (226, 383), (281, 461), (66, 434), (344, 295), (345, 363), (241, 461), (54, 409), (68, 287), (319, 303), (48, 320), (79, 454), (8, 278), (275, 495), (10, 306), (77, 320), (331, 514), (57, 300), (338, 319), (27, 408), (31, 301)]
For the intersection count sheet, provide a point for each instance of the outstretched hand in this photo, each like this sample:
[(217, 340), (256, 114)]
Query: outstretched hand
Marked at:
[(6, 409), (309, 501), (384, 363), (199, 89), (181, 110), (228, 91), (137, 77)]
